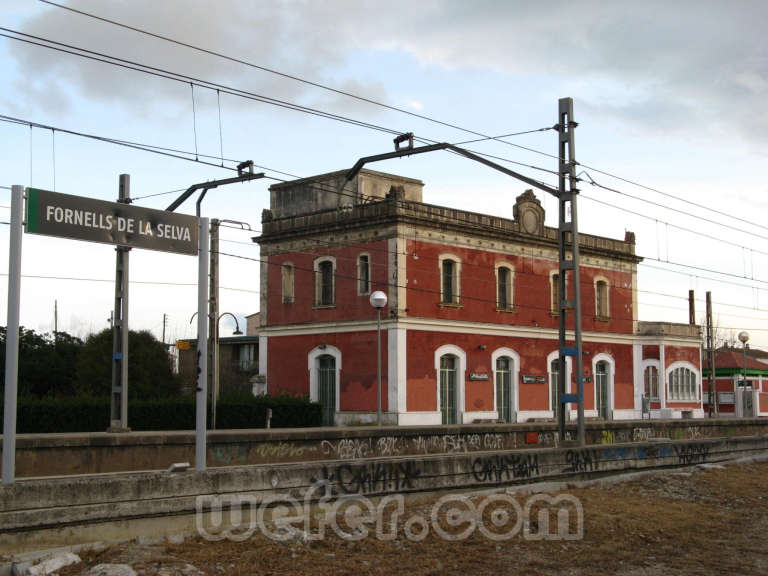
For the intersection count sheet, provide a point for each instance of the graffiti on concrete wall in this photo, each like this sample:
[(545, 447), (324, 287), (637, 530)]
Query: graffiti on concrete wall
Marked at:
[(692, 453), (354, 448), (553, 438), (500, 467), (367, 478)]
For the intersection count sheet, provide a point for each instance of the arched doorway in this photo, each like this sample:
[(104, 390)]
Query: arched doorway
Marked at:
[(602, 370), (326, 388), (449, 365), (504, 390)]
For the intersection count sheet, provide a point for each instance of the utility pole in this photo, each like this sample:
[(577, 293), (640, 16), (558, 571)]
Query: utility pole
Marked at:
[(119, 396), (213, 327), (567, 195), (10, 394), (55, 322), (244, 174), (691, 308), (712, 406), (165, 322)]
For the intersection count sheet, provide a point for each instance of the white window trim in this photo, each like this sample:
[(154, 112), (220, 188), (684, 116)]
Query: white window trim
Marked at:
[(456, 279), (667, 381), (600, 278), (370, 280), (312, 357), (603, 357), (510, 287), (555, 306), (568, 376), (460, 376), (292, 297), (318, 281), (656, 364), (500, 353)]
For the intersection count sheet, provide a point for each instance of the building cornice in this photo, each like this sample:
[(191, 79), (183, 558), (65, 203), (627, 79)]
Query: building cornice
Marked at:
[(475, 328), (421, 215)]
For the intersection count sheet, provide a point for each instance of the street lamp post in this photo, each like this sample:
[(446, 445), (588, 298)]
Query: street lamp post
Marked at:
[(378, 300), (215, 371), (744, 338)]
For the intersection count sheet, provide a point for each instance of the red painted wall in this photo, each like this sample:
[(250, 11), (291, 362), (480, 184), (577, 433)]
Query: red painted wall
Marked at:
[(674, 354), (349, 306), (650, 352), (422, 377), (288, 369), (531, 289)]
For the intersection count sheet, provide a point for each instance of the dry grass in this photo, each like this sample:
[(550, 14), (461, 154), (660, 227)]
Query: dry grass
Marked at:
[(710, 522)]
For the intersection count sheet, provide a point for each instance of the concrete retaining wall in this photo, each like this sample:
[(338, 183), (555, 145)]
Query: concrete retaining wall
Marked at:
[(48, 512), (97, 453)]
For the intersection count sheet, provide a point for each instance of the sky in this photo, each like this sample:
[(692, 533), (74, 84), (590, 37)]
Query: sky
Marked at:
[(668, 98)]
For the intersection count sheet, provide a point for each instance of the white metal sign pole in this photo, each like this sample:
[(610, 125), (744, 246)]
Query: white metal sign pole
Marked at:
[(12, 336), (202, 346)]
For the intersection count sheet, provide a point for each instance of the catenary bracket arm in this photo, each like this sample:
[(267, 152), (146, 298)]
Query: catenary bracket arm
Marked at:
[(352, 172)]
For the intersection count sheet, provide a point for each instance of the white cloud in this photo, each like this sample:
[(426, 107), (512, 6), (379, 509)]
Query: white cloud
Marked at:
[(680, 63)]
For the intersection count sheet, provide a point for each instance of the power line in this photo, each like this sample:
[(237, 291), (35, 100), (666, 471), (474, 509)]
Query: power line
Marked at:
[(183, 78), (674, 197), (683, 228), (130, 144), (651, 202), (296, 78), (397, 109), (422, 290), (236, 94), (112, 280), (135, 146), (434, 272)]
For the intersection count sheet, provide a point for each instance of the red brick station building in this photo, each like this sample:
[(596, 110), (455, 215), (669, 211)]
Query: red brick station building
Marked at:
[(470, 329)]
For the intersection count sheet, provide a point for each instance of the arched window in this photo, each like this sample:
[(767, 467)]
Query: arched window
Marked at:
[(651, 382), (682, 384), (325, 281)]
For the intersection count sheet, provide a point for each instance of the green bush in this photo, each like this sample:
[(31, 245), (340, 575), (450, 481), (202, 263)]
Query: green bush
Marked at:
[(246, 411), (91, 414)]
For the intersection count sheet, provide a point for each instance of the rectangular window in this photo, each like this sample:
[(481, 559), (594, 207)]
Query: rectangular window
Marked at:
[(601, 299), (554, 375), (449, 272), (504, 288), (325, 290), (555, 293), (247, 357), (363, 274), (287, 272)]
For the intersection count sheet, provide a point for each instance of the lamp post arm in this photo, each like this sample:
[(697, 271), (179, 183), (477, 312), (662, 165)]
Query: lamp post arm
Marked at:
[(237, 324)]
